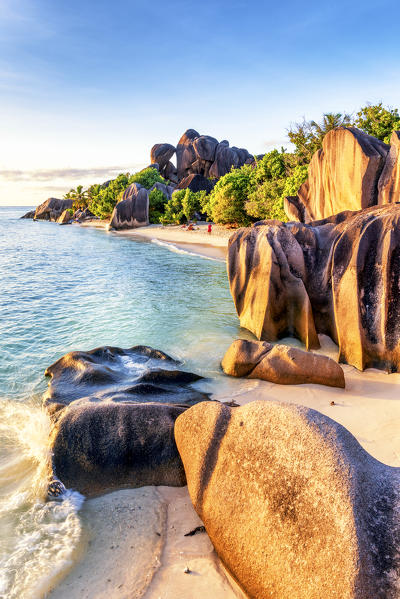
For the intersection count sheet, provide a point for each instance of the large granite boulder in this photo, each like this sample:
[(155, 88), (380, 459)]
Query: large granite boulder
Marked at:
[(280, 364), (185, 153), (52, 209), (293, 505), (343, 175), (199, 155), (339, 276), (167, 190), (161, 154), (389, 181), (133, 210), (113, 414)]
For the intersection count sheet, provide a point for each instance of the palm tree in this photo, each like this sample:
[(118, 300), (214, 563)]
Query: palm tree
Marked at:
[(79, 196)]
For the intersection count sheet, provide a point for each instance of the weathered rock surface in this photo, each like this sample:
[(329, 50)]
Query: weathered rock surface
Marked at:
[(113, 414), (343, 175), (294, 506), (167, 190), (65, 218), (199, 155), (196, 183), (161, 154), (280, 364), (133, 210), (30, 214), (52, 209), (339, 276), (389, 181)]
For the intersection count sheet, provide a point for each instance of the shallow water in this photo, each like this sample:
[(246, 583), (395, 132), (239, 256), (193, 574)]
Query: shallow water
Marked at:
[(67, 288)]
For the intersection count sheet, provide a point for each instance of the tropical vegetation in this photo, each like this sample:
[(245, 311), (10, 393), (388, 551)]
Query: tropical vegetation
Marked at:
[(247, 194)]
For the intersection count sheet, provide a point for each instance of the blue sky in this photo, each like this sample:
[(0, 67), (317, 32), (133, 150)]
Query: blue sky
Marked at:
[(88, 87)]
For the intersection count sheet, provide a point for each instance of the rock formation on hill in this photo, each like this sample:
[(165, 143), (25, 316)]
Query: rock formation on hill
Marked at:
[(293, 505), (352, 171), (339, 276), (113, 414), (280, 364), (198, 155), (52, 209)]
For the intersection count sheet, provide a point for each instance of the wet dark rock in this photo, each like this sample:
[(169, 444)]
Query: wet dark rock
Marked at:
[(30, 214), (113, 412)]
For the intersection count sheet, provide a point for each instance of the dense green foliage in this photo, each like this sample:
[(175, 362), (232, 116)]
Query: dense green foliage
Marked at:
[(183, 205), (147, 177), (378, 121), (157, 201), (104, 197), (247, 194)]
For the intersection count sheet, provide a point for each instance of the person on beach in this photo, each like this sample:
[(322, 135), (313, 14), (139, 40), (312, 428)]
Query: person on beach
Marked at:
[(209, 228)]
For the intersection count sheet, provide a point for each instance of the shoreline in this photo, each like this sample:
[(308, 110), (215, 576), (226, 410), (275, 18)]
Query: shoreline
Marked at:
[(199, 242)]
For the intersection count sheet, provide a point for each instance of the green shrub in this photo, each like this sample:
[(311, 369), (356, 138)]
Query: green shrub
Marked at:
[(103, 203), (378, 121), (147, 177), (295, 180), (227, 199), (266, 201), (182, 206), (173, 210), (157, 201)]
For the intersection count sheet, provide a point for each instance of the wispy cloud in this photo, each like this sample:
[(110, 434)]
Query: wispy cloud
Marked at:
[(72, 174)]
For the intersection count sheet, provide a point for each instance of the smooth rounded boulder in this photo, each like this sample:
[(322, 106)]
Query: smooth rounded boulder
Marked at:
[(293, 505), (280, 364)]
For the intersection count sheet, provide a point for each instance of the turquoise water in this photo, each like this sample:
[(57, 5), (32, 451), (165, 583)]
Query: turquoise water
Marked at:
[(67, 288)]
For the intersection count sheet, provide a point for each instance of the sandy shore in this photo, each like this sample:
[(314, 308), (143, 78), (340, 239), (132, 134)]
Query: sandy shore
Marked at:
[(199, 242), (134, 544)]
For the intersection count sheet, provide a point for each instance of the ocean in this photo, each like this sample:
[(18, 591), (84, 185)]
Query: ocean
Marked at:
[(69, 288)]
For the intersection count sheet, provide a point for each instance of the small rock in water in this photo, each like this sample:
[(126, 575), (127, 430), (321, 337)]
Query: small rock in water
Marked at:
[(55, 489), (195, 530), (333, 403)]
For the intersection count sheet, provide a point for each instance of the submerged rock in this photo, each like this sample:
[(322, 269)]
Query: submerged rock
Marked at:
[(280, 364), (113, 413), (293, 505), (339, 276), (52, 209)]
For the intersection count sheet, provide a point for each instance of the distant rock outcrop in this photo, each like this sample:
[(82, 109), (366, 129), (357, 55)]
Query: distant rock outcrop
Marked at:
[(113, 414), (292, 503), (339, 276), (199, 155), (133, 210), (280, 364), (196, 183), (52, 209), (30, 214)]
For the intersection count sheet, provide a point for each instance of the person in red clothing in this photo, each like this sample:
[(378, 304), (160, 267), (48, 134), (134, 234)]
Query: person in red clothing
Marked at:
[(209, 228)]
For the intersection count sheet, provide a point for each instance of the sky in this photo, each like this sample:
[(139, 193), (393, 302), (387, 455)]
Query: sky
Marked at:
[(87, 87)]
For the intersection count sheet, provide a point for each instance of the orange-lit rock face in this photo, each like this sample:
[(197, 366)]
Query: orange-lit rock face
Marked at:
[(343, 175), (280, 364), (389, 181), (339, 276), (292, 503)]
